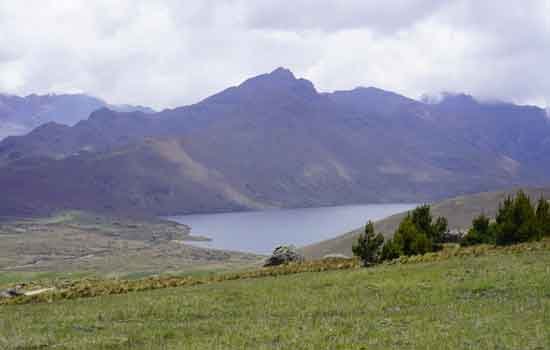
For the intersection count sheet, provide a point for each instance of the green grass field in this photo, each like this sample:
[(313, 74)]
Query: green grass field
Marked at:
[(496, 301)]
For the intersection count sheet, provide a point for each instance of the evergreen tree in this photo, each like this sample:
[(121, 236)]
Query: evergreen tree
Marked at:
[(390, 250), (422, 244), (440, 228), (543, 216), (367, 247), (405, 235), (482, 232), (422, 219), (525, 219), (416, 234), (516, 221)]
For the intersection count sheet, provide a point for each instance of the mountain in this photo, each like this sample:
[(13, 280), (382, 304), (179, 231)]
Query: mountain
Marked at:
[(460, 211), (275, 141), (18, 115)]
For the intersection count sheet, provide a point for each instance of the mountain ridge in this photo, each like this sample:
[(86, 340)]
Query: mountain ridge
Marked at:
[(275, 141), (19, 115)]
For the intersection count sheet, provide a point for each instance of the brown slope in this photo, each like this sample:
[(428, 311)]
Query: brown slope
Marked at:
[(151, 178), (459, 211)]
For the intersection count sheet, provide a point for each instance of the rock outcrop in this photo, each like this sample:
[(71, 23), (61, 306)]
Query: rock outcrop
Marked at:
[(283, 255)]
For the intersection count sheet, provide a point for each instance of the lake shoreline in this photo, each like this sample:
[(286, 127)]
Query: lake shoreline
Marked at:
[(260, 231)]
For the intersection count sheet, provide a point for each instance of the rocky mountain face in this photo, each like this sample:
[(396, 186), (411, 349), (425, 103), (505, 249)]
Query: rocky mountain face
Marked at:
[(275, 141), (19, 115)]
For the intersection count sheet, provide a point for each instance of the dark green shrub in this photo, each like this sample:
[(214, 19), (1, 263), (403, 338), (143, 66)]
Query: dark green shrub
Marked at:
[(516, 221), (423, 221), (406, 236), (390, 250), (482, 232), (543, 216), (440, 229), (368, 245), (417, 234)]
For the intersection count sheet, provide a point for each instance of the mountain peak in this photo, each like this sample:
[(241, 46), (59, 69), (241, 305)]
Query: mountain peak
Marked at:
[(280, 84), (283, 73)]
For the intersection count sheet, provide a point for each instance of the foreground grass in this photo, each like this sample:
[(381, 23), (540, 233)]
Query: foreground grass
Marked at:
[(493, 301)]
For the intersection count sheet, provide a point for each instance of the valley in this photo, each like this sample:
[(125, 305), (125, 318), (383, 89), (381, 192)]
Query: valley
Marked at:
[(97, 245), (270, 175)]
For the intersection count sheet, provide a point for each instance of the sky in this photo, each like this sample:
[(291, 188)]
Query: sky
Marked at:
[(167, 53)]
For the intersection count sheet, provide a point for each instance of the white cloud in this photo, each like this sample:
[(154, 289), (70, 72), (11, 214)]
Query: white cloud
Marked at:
[(166, 53)]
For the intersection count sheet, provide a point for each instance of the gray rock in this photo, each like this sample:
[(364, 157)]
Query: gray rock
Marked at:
[(283, 255), (10, 293)]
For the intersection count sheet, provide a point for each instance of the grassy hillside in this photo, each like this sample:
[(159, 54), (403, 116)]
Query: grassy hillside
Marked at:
[(494, 301), (459, 211)]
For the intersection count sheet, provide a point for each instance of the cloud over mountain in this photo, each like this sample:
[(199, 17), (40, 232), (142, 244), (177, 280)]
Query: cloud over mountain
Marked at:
[(167, 53)]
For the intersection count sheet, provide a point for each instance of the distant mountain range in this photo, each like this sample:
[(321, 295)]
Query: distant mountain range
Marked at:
[(275, 141), (19, 115)]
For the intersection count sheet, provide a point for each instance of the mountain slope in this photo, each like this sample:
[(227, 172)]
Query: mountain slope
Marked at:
[(18, 115), (459, 211), (275, 141)]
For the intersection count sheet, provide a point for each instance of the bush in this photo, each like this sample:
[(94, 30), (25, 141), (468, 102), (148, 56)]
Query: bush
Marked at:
[(368, 245), (543, 216), (482, 232), (416, 234), (390, 251), (516, 221)]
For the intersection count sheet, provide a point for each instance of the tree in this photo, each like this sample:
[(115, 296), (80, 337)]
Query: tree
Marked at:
[(416, 234), (543, 216), (440, 228), (422, 244), (390, 250), (516, 221), (368, 244), (525, 219), (406, 236), (423, 221), (482, 232)]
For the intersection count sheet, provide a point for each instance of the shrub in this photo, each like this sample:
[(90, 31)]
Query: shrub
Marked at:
[(368, 245), (516, 221), (422, 219), (543, 216), (406, 235), (482, 232), (416, 234), (390, 251)]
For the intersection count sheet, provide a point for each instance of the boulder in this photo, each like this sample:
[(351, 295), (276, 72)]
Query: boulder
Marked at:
[(283, 255), (10, 293)]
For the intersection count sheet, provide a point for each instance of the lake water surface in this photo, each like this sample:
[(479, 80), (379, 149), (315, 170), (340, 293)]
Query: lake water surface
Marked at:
[(261, 231)]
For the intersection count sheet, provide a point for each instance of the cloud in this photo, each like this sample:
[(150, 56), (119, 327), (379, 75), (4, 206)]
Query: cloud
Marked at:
[(330, 15), (167, 53)]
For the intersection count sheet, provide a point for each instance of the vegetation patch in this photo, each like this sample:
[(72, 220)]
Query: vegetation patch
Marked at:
[(482, 297), (517, 220), (95, 287)]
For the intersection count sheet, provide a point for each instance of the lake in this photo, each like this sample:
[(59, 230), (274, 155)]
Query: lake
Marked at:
[(261, 231)]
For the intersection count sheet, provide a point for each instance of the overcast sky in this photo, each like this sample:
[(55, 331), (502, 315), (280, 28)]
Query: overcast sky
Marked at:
[(166, 53)]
